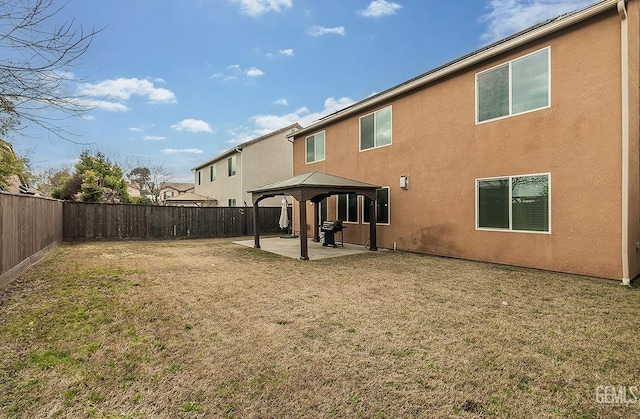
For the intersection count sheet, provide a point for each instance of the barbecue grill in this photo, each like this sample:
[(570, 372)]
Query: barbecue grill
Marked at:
[(330, 228)]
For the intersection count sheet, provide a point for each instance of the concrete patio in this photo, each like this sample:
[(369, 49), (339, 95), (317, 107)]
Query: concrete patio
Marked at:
[(290, 247)]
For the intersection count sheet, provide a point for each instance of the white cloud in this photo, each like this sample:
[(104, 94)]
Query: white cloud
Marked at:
[(111, 95), (282, 102), (264, 124), (288, 52), (379, 8), (255, 8), (235, 72), (181, 151), (101, 104), (506, 17), (322, 30), (135, 129), (254, 72), (153, 138), (192, 125)]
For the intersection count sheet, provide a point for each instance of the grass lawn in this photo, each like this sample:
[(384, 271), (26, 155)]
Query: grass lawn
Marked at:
[(207, 328)]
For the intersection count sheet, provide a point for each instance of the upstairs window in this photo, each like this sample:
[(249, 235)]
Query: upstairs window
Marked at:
[(375, 129), (517, 203), (231, 166), (519, 86), (212, 173), (315, 147), (199, 177), (347, 207)]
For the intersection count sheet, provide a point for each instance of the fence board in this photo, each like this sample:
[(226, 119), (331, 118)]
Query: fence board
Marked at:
[(125, 221), (28, 226)]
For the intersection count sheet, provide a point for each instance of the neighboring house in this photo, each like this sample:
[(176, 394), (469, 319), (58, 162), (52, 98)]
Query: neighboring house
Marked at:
[(522, 153), (133, 189), (173, 189), (228, 176), (15, 183), (191, 199)]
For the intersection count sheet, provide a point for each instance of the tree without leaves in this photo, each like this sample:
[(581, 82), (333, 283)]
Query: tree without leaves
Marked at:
[(51, 179), (37, 56), (150, 179)]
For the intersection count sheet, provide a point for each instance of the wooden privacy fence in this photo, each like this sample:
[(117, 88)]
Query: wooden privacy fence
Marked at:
[(126, 221), (29, 226)]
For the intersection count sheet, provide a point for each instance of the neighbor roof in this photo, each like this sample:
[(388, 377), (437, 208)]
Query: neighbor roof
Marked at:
[(233, 150), (191, 197), (499, 47), (178, 186)]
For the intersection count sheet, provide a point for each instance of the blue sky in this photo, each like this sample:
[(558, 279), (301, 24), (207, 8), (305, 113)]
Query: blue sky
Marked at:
[(178, 82)]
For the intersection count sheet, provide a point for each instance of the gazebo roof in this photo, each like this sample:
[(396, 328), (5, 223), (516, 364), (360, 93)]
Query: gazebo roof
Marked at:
[(314, 186)]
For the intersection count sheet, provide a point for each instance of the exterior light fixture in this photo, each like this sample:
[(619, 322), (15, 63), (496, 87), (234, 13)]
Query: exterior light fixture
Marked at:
[(404, 182)]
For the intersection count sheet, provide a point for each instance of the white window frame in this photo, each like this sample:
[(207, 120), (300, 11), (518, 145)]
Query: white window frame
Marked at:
[(234, 164), (357, 209), (509, 63), (213, 172), (510, 228), (390, 107), (234, 201), (388, 207), (200, 177), (324, 146)]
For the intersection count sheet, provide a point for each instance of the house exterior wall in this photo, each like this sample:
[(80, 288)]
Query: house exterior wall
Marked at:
[(633, 10), (259, 163), (438, 145)]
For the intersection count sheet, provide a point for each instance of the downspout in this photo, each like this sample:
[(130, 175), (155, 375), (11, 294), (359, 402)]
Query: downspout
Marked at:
[(240, 168), (624, 44)]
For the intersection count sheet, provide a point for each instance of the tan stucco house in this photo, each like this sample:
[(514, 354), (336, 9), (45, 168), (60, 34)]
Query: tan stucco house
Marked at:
[(524, 152), (173, 189), (228, 176)]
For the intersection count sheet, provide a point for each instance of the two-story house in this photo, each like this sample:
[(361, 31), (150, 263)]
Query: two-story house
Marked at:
[(525, 152), (228, 176), (173, 189)]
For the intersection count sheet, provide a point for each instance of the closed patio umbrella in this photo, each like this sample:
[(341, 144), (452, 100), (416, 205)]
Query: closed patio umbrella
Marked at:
[(284, 216)]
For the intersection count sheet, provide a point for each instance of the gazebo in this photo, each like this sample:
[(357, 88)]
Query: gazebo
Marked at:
[(314, 187)]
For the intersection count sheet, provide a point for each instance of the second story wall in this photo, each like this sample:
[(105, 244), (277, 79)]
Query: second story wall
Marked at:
[(249, 166), (437, 141)]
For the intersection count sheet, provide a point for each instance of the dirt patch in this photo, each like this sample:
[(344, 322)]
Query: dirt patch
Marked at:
[(209, 328)]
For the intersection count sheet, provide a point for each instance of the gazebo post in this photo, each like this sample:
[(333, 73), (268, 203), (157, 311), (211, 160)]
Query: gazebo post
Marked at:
[(373, 245), (256, 226), (316, 217), (304, 249)]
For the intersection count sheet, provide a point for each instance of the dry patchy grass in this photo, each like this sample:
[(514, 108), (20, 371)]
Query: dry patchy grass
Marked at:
[(207, 328)]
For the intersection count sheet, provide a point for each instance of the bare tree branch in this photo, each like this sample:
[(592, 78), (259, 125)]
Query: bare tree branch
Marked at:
[(37, 58)]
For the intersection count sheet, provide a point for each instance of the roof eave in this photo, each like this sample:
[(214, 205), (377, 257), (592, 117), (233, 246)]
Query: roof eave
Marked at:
[(239, 147), (483, 54)]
